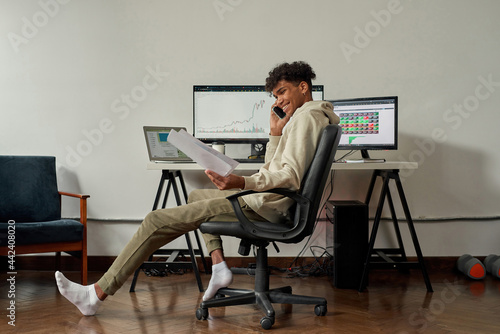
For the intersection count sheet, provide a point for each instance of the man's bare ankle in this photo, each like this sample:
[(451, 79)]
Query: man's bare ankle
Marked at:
[(217, 256), (100, 293)]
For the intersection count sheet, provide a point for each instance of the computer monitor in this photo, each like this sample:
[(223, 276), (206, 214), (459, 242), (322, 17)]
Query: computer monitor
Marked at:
[(368, 123), (234, 114)]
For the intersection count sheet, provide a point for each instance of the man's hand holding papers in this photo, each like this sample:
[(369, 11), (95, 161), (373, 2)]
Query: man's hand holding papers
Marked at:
[(225, 183)]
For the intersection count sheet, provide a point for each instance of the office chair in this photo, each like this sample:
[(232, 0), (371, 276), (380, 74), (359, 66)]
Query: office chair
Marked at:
[(261, 234)]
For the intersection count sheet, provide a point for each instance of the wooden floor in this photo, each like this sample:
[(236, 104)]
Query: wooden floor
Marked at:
[(394, 303)]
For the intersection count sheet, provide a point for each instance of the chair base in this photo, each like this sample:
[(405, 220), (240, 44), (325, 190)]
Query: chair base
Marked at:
[(261, 296), (262, 299)]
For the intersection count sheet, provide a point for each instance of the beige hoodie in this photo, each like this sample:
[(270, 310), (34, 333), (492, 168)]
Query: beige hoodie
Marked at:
[(287, 159)]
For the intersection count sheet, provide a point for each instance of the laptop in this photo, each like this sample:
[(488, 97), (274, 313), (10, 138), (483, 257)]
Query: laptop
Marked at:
[(159, 149)]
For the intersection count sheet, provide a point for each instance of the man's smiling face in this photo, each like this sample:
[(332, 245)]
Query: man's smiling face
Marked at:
[(290, 96)]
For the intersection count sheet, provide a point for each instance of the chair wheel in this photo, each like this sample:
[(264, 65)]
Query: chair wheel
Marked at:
[(202, 313), (267, 322), (320, 310)]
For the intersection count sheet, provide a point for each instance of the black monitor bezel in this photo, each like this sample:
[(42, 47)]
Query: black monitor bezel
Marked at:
[(393, 146), (259, 88)]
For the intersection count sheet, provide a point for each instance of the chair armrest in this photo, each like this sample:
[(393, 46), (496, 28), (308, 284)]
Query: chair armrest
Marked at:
[(83, 205), (74, 195), (279, 191), (302, 203)]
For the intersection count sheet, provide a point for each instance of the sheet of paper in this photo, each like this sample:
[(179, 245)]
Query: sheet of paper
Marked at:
[(202, 154)]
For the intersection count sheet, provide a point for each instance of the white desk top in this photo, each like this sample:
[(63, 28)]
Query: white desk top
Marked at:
[(388, 165)]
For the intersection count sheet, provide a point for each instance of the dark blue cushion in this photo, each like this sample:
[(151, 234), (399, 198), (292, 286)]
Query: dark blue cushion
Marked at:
[(63, 230), (28, 189)]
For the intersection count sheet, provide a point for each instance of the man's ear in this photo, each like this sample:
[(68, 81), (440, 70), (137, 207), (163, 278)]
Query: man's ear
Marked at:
[(304, 87)]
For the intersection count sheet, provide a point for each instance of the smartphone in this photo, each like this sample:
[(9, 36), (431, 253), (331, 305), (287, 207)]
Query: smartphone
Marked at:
[(279, 112)]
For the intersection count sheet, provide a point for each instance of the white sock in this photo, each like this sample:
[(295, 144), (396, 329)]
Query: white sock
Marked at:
[(82, 296), (222, 277)]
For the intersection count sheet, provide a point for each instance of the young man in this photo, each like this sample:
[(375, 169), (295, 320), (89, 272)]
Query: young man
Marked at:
[(291, 147)]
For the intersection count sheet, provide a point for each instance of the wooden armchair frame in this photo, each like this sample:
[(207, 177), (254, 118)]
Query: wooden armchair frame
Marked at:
[(58, 247)]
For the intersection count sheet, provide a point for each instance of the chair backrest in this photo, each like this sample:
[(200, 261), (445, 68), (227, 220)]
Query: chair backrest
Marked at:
[(315, 179), (28, 189)]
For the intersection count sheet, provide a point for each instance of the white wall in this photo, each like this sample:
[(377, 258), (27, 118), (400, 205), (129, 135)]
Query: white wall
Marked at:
[(79, 79)]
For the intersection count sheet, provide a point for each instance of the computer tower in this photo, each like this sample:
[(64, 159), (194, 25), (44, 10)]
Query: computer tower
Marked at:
[(350, 241)]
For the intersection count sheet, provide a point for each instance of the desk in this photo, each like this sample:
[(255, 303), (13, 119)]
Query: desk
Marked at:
[(389, 165), (392, 257)]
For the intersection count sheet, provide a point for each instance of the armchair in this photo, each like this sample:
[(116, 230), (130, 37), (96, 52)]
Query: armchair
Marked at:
[(261, 234), (30, 211)]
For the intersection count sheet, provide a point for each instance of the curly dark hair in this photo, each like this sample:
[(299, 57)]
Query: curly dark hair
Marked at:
[(295, 72)]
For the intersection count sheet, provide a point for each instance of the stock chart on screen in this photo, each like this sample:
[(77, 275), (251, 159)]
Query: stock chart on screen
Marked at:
[(234, 113)]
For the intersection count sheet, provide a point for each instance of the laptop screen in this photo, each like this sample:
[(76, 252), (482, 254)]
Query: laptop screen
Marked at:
[(158, 147)]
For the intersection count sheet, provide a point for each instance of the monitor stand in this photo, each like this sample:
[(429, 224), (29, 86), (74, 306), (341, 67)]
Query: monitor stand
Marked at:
[(365, 157), (257, 151)]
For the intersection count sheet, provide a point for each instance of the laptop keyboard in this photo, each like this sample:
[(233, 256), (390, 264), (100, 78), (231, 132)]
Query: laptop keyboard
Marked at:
[(246, 161)]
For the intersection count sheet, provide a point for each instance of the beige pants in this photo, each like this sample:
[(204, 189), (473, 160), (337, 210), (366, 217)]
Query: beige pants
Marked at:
[(162, 226)]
